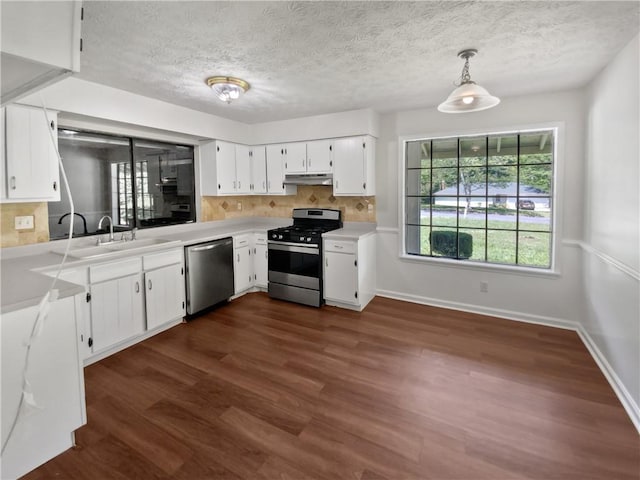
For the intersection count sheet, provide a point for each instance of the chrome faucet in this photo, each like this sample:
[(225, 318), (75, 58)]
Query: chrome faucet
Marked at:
[(110, 228)]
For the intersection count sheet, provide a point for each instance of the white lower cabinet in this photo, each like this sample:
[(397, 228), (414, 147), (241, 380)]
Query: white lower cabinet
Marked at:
[(349, 271), (242, 263), (164, 287), (260, 260), (57, 384), (117, 302)]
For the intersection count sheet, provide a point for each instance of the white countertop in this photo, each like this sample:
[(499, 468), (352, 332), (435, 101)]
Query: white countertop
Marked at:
[(23, 285)]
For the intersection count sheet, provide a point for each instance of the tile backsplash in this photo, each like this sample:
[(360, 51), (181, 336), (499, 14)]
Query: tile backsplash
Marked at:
[(10, 237), (354, 209)]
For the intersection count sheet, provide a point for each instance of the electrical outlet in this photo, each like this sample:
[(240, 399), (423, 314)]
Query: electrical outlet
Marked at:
[(239, 205), (484, 287), (24, 222)]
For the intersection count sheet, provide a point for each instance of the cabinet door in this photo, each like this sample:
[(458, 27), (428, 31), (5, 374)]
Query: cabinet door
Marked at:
[(259, 170), (226, 167), (242, 270), (275, 169), (164, 295), (341, 277), (261, 265), (296, 158), (349, 175), (243, 169), (31, 160), (116, 311), (320, 156)]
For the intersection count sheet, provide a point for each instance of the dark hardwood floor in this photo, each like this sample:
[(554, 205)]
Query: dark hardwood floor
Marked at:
[(266, 389)]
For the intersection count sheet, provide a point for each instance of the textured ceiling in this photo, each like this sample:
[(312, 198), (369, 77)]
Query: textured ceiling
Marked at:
[(310, 58)]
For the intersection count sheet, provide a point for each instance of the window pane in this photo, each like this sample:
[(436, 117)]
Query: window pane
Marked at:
[(503, 150), (501, 246), (445, 182), (478, 243), (535, 180), (536, 147), (418, 240), (445, 152), (534, 249), (444, 216), (473, 181), (418, 182), (473, 151), (418, 154), (475, 216), (534, 220), (503, 215), (418, 210)]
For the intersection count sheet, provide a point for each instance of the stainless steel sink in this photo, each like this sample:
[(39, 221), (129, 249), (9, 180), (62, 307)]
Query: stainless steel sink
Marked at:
[(113, 248)]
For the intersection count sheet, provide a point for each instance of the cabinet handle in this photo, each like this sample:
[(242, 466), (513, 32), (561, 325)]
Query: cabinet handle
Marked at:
[(356, 295), (331, 163), (55, 186), (13, 183), (285, 164), (355, 263), (137, 287), (150, 284), (339, 247), (364, 185), (53, 125), (285, 152), (218, 186), (239, 186), (282, 151), (234, 185), (217, 149), (331, 148), (238, 258), (326, 261)]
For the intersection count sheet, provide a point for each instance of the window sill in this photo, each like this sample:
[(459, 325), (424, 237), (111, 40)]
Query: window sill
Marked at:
[(486, 267)]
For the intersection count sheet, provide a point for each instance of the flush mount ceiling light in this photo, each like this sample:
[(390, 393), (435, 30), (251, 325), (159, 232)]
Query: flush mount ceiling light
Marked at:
[(468, 97), (227, 88)]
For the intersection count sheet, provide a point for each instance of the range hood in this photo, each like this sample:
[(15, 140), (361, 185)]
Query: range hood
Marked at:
[(309, 179)]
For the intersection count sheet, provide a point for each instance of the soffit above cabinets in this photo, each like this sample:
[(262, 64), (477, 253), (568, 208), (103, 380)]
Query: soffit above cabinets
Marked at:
[(312, 58)]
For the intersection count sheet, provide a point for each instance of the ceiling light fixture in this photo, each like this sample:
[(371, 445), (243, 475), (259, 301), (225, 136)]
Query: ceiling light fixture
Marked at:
[(227, 88), (468, 97)]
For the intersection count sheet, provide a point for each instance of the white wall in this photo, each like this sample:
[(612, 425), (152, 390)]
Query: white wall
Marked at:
[(538, 298), (612, 234)]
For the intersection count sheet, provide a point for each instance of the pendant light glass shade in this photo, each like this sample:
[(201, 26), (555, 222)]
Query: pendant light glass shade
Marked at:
[(227, 88), (468, 97)]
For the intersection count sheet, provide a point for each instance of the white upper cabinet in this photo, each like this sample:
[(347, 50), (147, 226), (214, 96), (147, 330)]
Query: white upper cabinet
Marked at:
[(40, 44), (295, 157), (307, 157), (354, 166), (320, 156), (275, 172), (243, 170), (30, 168), (258, 157), (218, 168)]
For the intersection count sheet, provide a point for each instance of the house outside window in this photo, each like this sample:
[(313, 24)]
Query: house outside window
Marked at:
[(482, 198)]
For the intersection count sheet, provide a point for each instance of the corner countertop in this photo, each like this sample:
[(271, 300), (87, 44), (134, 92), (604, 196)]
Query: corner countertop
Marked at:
[(24, 283), (351, 231)]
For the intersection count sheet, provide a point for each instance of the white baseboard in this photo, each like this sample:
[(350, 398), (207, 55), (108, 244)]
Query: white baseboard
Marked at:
[(493, 312), (631, 407), (618, 387)]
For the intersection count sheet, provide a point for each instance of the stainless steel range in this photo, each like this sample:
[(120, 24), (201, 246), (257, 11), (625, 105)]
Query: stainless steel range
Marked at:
[(295, 255)]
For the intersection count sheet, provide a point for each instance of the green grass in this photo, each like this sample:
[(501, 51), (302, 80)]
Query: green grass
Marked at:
[(533, 248)]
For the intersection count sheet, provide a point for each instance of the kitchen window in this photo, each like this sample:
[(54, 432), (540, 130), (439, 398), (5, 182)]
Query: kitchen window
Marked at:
[(482, 198), (139, 183)]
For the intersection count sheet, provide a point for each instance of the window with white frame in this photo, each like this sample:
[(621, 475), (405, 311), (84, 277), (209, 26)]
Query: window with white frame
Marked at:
[(482, 198)]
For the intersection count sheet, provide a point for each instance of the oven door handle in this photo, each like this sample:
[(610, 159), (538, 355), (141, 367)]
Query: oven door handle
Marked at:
[(312, 249)]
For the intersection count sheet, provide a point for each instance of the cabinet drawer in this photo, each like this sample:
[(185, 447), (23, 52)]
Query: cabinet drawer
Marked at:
[(241, 241), (261, 238), (162, 259), (109, 271), (342, 246)]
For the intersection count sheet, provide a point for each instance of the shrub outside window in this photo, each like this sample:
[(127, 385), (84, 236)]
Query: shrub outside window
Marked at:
[(482, 198)]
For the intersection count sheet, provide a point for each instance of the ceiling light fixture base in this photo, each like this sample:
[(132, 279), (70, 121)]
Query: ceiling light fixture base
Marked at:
[(227, 88)]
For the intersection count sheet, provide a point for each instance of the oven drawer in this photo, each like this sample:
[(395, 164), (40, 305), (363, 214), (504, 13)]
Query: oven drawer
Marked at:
[(341, 246)]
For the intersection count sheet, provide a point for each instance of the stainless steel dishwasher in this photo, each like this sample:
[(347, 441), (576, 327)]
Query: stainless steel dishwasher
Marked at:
[(209, 274)]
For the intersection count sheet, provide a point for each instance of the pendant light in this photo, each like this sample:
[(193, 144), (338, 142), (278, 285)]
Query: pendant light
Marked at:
[(468, 97), (227, 88)]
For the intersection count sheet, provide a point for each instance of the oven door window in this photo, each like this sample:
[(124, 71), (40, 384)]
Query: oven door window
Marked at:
[(295, 263)]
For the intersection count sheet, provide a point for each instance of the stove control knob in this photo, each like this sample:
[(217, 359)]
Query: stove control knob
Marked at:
[(279, 237), (308, 239), (274, 235)]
